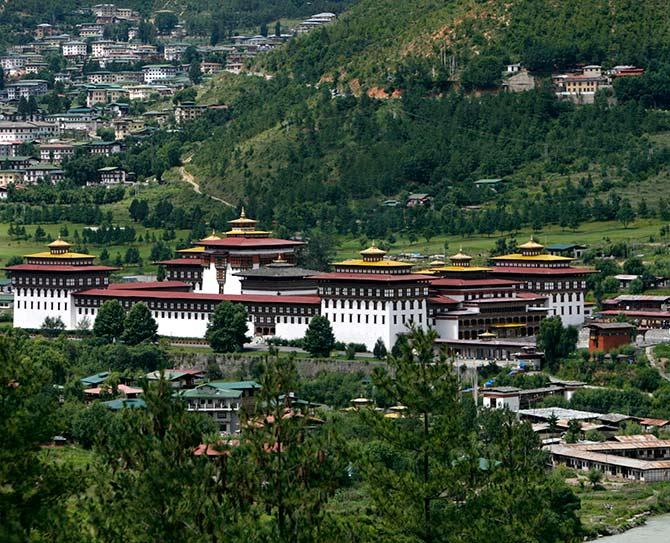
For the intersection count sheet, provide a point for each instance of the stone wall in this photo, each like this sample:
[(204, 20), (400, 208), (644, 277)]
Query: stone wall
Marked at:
[(237, 366)]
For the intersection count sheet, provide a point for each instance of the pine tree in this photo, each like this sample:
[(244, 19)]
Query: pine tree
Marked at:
[(379, 350), (319, 339), (227, 331), (139, 326), (109, 321)]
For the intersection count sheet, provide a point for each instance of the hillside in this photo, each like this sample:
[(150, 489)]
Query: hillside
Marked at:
[(376, 36), (301, 155)]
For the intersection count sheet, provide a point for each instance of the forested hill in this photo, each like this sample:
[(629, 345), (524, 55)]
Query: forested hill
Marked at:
[(375, 37), (302, 150)]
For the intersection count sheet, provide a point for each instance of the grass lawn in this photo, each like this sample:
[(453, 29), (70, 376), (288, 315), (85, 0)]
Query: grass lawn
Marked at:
[(10, 247), (69, 454), (478, 246)]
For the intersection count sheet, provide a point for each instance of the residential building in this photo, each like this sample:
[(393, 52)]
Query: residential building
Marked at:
[(185, 112), (112, 175), (72, 49), (158, 72)]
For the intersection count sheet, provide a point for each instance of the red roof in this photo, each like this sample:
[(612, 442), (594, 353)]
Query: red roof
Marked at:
[(234, 243), (150, 285), (531, 296), (446, 282), (520, 270), (200, 296), (55, 268), (376, 277), (442, 300), (181, 262)]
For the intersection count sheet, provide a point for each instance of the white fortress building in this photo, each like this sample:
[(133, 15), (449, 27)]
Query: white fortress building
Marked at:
[(365, 298)]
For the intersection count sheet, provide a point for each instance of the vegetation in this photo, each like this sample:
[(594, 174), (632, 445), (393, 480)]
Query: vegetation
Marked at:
[(227, 330), (319, 339)]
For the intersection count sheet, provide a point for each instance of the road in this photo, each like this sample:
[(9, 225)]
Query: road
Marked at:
[(190, 179)]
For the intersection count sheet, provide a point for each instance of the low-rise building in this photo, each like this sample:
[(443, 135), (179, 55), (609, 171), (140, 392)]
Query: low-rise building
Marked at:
[(221, 400), (112, 175), (158, 72)]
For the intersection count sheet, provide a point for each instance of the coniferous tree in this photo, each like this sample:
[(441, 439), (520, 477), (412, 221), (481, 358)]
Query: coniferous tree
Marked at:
[(109, 321), (319, 339), (227, 331), (139, 325)]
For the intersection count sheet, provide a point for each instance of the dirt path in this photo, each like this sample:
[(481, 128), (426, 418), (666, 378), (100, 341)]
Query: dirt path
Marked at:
[(190, 179), (652, 360)]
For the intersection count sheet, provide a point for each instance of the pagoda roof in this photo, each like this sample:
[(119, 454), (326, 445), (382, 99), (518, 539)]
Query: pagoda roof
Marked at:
[(59, 256), (196, 249), (373, 250), (59, 243), (211, 237), (243, 242), (374, 263), (531, 244)]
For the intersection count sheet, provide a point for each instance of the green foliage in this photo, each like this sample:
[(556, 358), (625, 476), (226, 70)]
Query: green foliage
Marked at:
[(139, 325), (227, 330), (555, 340), (109, 321), (574, 433), (379, 349), (35, 493), (319, 339)]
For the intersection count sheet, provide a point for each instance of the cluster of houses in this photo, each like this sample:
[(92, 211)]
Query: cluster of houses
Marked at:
[(124, 72), (219, 399), (579, 84)]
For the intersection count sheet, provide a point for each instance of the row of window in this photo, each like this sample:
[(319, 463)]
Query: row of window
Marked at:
[(39, 293), (376, 292), (24, 280), (560, 285), (40, 305)]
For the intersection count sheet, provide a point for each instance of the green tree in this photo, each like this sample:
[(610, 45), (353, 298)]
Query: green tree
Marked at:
[(165, 21), (626, 213), (379, 349), (109, 321), (278, 29), (556, 341), (595, 477), (195, 72), (574, 433), (139, 325), (227, 330), (319, 339), (636, 286), (319, 252), (35, 488)]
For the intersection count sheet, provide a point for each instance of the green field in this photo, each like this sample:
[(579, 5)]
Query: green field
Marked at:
[(590, 234)]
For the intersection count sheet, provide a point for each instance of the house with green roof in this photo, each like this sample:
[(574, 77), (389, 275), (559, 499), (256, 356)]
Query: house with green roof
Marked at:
[(571, 250), (222, 400), (125, 403), (94, 380)]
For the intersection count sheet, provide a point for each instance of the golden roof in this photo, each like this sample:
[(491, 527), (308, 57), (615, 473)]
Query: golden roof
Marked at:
[(373, 250), (211, 237), (380, 263), (246, 232), (59, 243), (487, 334), (466, 269), (67, 255), (531, 244), (197, 249), (437, 263), (243, 220), (460, 255)]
